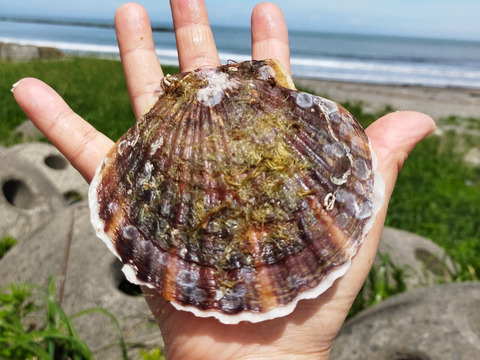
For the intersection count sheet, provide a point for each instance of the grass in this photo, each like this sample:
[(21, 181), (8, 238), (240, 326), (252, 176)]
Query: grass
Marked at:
[(384, 280), (94, 88), (6, 243), (34, 326), (21, 335), (437, 195), (154, 354)]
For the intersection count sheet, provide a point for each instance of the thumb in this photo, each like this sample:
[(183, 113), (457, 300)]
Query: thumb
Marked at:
[(393, 137)]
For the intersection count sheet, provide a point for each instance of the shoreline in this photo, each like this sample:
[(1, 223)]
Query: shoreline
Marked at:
[(84, 23), (438, 102)]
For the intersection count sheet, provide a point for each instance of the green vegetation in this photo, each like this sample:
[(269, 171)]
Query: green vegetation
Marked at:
[(94, 88), (438, 196), (23, 337), (34, 326), (155, 354), (383, 281), (6, 243)]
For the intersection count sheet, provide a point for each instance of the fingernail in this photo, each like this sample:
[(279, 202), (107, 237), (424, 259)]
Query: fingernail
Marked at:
[(14, 86)]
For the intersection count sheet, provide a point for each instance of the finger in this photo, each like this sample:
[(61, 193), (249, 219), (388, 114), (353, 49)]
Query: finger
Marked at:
[(139, 59), (80, 142), (270, 34), (195, 44), (393, 137)]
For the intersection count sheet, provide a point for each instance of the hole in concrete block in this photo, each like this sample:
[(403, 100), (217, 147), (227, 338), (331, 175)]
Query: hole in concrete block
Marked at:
[(55, 162), (431, 262), (128, 288), (121, 281), (18, 194), (407, 355), (73, 197)]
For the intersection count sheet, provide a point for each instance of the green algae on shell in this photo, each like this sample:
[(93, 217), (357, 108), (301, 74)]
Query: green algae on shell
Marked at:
[(236, 195)]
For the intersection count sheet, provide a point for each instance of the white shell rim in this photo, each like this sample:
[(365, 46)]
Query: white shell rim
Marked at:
[(279, 311), (97, 223)]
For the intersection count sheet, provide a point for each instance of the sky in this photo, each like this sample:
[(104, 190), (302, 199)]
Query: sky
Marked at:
[(450, 19)]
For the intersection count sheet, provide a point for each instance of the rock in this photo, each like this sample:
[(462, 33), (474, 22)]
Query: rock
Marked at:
[(28, 198), (472, 157), (46, 52), (18, 52), (424, 263), (47, 160), (437, 323), (87, 276)]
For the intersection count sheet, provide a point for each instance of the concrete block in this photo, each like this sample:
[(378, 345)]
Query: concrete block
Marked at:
[(47, 160), (28, 199), (27, 131), (472, 157), (424, 262), (17, 52), (436, 323)]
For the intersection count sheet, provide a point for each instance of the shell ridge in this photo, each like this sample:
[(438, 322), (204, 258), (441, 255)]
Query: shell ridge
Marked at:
[(185, 211), (197, 172), (208, 162), (217, 133), (314, 181), (309, 152), (167, 171)]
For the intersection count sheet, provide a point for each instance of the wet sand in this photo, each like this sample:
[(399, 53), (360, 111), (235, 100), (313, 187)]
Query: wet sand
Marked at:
[(436, 102)]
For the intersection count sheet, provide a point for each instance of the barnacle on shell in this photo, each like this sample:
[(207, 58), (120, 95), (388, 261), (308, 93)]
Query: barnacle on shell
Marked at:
[(236, 195)]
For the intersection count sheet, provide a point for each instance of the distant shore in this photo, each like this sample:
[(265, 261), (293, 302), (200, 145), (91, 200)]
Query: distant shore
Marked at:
[(105, 25), (435, 101)]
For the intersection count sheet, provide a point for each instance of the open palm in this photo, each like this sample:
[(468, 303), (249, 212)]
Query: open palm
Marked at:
[(310, 330)]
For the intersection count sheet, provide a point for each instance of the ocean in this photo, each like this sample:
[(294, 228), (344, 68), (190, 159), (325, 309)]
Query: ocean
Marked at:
[(328, 56)]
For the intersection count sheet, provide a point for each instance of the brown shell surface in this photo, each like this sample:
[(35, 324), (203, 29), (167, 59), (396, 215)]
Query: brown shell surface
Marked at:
[(235, 193)]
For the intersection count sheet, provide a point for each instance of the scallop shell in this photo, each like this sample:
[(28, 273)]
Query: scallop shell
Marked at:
[(236, 195)]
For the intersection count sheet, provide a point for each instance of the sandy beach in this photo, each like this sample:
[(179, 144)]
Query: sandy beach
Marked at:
[(436, 102)]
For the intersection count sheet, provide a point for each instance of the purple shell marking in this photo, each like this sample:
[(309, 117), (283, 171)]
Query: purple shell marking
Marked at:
[(236, 195)]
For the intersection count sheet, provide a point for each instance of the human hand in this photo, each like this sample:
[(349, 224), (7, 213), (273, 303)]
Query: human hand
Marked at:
[(310, 330)]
